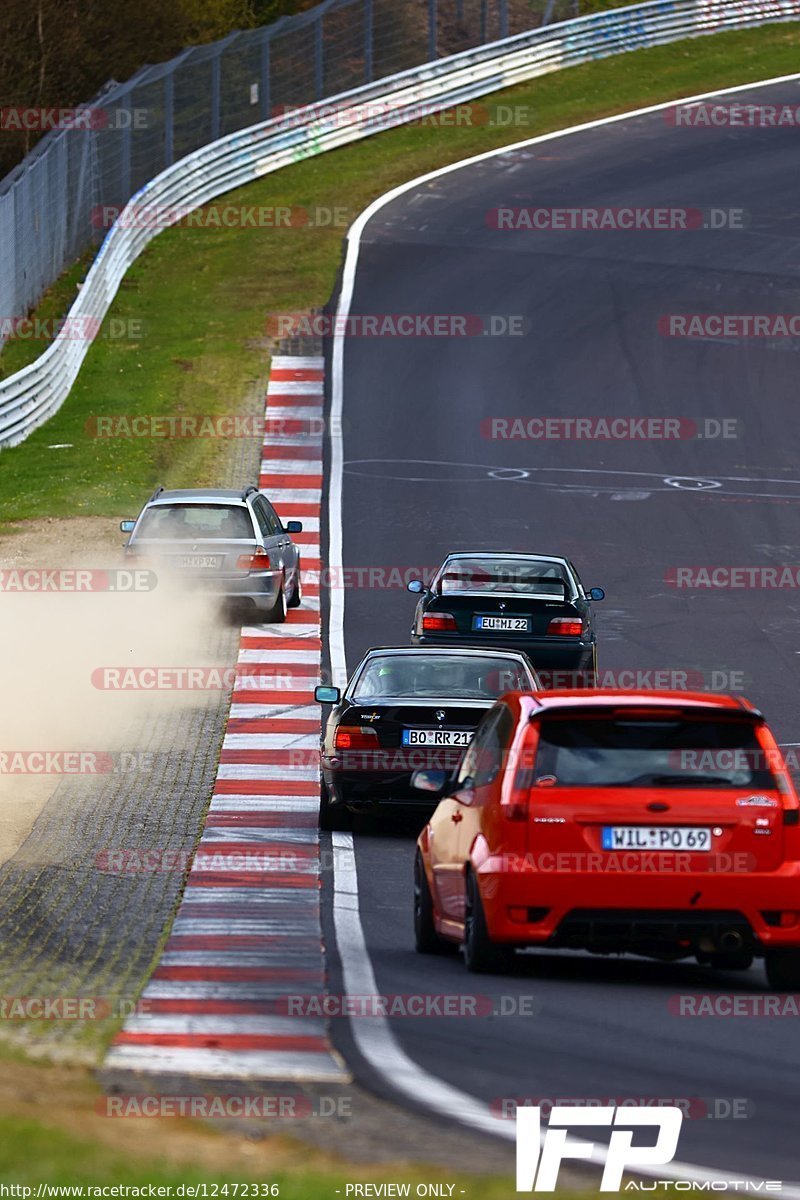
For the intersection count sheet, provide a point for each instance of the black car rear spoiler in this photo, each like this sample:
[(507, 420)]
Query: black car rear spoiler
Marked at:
[(481, 577)]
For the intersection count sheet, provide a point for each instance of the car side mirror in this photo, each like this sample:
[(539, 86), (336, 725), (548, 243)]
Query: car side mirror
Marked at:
[(294, 526), (416, 586), (327, 695), (430, 781), (596, 594), (127, 526)]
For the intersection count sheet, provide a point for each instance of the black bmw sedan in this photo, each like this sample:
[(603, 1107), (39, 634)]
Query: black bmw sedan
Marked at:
[(532, 603), (406, 709)]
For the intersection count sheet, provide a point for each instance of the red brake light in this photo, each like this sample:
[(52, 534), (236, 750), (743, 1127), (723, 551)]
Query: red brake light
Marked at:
[(259, 561), (565, 627), (355, 737), (435, 622), (515, 808)]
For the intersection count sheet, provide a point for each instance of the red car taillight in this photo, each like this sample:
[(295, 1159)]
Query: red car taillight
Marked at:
[(436, 622), (776, 764), (354, 737), (565, 627), (515, 805), (259, 561)]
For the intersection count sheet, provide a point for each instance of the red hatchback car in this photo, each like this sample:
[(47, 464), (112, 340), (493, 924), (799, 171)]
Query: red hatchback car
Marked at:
[(656, 823)]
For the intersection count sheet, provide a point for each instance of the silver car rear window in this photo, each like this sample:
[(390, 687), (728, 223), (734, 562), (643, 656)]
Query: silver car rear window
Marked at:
[(223, 521)]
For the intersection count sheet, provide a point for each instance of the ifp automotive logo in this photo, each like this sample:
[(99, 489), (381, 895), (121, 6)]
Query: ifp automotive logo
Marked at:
[(539, 1158)]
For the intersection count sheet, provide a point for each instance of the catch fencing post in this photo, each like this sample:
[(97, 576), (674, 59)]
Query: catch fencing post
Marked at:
[(266, 103), (169, 118), (216, 94), (503, 19), (369, 14), (125, 150), (432, 38), (319, 67)]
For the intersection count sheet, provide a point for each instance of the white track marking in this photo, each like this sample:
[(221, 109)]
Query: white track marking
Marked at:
[(281, 495), (296, 387), (275, 804), (270, 741), (284, 1065), (373, 1036), (280, 772), (270, 656)]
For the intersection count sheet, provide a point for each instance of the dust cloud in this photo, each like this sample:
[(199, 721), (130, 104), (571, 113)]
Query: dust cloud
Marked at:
[(57, 713)]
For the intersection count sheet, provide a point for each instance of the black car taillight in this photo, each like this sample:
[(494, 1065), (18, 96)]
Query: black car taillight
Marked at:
[(355, 737), (565, 627), (438, 622)]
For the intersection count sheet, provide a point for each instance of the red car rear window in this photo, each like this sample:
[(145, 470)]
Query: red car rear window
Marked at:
[(651, 752)]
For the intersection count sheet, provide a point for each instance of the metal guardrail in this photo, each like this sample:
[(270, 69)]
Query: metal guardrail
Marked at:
[(61, 198), (30, 397)]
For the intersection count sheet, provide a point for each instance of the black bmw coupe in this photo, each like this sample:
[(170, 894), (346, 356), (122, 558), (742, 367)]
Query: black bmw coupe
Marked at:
[(532, 603), (407, 709)]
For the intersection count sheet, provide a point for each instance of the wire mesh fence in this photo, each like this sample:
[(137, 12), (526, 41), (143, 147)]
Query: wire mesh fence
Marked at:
[(65, 194)]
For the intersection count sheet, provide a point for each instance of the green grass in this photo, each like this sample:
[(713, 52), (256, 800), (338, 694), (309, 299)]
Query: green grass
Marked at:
[(202, 295), (32, 1152)]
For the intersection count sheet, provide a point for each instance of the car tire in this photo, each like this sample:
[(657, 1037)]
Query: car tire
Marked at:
[(482, 956), (333, 818), (296, 597), (426, 939), (783, 970), (277, 614)]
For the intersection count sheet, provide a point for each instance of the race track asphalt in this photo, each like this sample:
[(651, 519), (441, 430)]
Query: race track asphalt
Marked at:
[(418, 482)]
